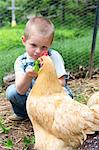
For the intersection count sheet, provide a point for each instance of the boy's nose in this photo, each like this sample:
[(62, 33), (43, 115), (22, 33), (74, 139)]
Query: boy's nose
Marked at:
[(38, 50)]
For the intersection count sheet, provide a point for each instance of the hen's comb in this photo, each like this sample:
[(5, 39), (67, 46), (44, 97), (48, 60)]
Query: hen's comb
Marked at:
[(45, 53)]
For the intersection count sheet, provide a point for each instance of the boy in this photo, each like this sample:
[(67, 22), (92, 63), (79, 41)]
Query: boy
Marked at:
[(37, 39)]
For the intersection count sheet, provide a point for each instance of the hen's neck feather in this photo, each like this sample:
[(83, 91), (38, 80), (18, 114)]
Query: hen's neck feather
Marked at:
[(47, 83)]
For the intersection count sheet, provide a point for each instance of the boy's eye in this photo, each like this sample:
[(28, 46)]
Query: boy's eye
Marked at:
[(33, 45), (44, 48)]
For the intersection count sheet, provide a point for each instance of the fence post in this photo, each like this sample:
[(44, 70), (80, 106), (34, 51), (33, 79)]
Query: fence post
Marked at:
[(94, 40)]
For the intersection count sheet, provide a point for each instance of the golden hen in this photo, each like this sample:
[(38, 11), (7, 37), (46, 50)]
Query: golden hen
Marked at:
[(59, 122)]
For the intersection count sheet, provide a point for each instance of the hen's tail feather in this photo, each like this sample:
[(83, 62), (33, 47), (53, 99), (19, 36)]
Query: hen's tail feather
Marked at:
[(95, 110), (94, 99), (93, 104)]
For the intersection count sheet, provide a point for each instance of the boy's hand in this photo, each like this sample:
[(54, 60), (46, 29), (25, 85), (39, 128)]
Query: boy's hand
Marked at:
[(31, 73)]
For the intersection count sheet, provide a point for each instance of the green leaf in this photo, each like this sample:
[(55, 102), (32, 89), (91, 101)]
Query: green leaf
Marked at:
[(36, 65), (8, 144), (33, 140), (4, 129), (37, 62), (97, 89), (26, 141)]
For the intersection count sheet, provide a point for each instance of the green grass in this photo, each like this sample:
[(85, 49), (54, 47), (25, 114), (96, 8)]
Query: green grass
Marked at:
[(10, 48), (73, 44)]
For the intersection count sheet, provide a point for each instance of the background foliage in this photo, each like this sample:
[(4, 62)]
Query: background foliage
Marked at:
[(73, 20)]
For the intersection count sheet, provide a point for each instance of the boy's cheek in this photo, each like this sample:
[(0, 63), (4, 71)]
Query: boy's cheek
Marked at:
[(31, 50)]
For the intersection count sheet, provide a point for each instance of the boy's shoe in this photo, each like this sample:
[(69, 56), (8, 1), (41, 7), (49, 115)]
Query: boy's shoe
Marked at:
[(14, 117)]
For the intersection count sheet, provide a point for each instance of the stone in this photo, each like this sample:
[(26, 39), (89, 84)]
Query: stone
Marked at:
[(9, 79)]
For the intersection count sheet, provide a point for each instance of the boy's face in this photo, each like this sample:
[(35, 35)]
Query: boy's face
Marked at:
[(36, 45)]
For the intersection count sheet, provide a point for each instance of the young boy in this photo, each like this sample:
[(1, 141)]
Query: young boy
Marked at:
[(37, 39)]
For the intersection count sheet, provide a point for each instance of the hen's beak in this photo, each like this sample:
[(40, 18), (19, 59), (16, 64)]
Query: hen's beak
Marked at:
[(41, 62)]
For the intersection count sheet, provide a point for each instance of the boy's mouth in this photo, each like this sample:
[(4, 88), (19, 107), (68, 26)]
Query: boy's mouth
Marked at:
[(36, 56)]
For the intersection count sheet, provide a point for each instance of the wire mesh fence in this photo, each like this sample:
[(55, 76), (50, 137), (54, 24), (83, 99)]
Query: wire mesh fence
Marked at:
[(74, 22)]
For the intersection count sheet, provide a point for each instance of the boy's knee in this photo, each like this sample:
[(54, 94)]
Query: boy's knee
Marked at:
[(11, 92), (14, 97)]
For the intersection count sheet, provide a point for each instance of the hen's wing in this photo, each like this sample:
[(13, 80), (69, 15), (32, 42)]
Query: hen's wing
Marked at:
[(73, 121)]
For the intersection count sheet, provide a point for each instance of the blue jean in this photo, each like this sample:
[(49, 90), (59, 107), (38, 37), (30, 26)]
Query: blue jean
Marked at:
[(18, 101)]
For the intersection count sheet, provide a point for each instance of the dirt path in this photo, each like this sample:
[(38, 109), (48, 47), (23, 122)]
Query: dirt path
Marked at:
[(83, 89)]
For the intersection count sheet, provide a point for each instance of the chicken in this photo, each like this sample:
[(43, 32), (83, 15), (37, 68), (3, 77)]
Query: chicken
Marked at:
[(94, 99), (59, 122), (92, 141)]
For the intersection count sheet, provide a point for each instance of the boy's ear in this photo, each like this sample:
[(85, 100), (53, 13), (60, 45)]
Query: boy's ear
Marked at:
[(23, 40)]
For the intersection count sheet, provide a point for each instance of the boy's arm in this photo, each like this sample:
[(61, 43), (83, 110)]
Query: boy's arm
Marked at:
[(23, 80), (23, 77), (59, 66), (22, 83), (62, 80)]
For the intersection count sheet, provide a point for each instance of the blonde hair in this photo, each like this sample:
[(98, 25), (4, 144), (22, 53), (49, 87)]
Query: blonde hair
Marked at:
[(41, 25)]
